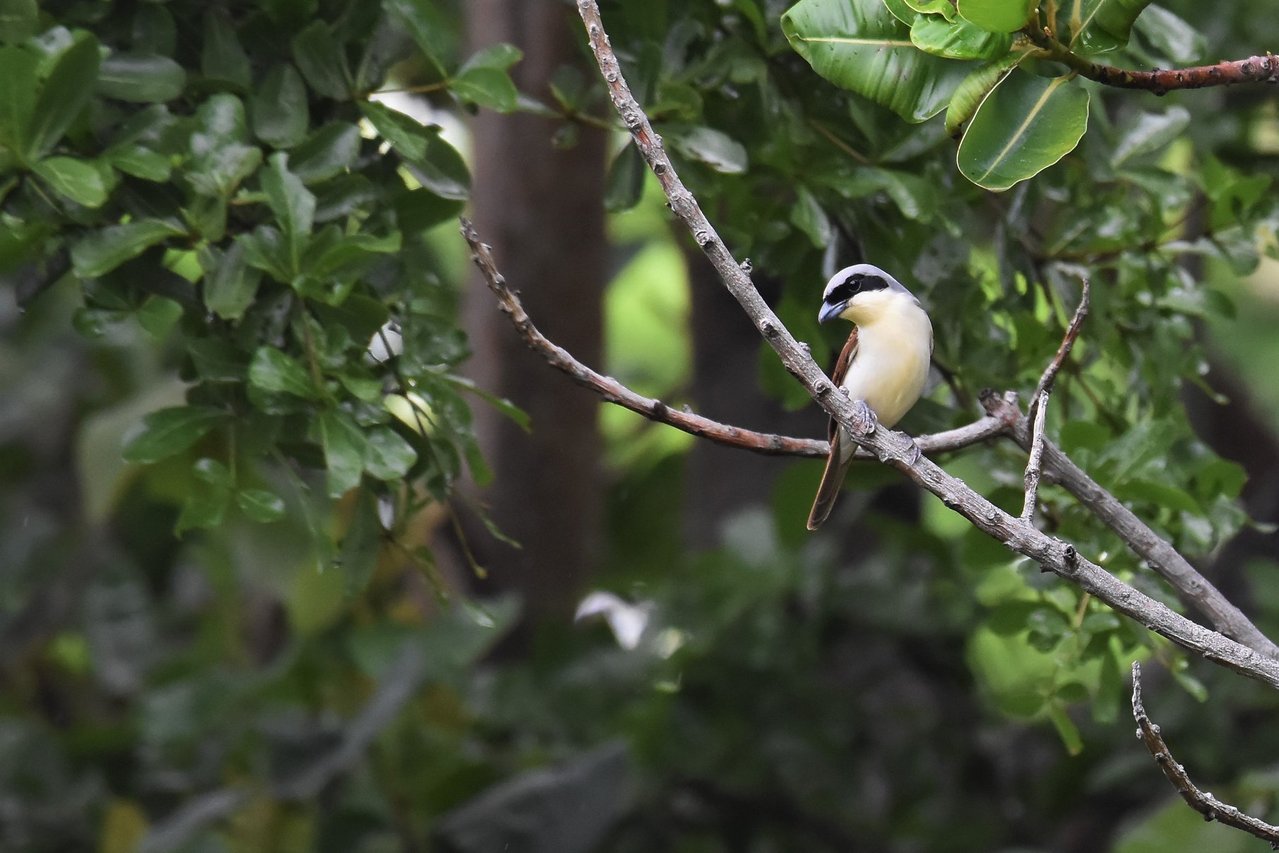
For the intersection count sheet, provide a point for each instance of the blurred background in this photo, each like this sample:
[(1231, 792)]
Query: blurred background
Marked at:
[(604, 634)]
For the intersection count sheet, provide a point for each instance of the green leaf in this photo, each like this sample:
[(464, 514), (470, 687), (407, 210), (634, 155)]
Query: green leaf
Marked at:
[(222, 57), (1148, 133), (500, 56), (997, 16), (140, 78), (1023, 126), (360, 545), (278, 373), (19, 20), (260, 505), (710, 146), (428, 26), (17, 97), (219, 158), (327, 152), (438, 166), (104, 249), (1171, 37), (63, 95), (808, 216), (293, 205), (974, 89), (82, 181), (230, 284), (625, 183), (345, 449), (279, 108), (486, 87), (1095, 26), (859, 45), (390, 456), (322, 61), (958, 39), (208, 499), (168, 432), (141, 162)]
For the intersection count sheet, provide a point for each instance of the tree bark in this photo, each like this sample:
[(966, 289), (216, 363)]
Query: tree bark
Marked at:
[(542, 209)]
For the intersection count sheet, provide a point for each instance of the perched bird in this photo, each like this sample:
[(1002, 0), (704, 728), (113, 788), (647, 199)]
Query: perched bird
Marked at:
[(885, 362)]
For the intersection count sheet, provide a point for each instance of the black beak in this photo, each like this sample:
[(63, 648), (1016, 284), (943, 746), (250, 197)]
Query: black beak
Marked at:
[(830, 311)]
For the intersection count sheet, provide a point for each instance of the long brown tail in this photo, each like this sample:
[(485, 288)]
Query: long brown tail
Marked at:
[(832, 481)]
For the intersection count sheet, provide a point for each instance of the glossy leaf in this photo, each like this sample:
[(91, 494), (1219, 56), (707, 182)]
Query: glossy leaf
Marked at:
[(361, 544), (277, 372), (710, 146), (322, 61), (293, 205), (486, 87), (279, 108), (64, 94), (105, 249), (345, 448), (167, 432), (390, 457), (1175, 40), (220, 159), (81, 181), (625, 182), (997, 16), (1095, 26), (1148, 133), (230, 284), (859, 45), (327, 152), (1023, 126), (438, 166), (222, 57), (139, 78), (973, 91), (958, 39)]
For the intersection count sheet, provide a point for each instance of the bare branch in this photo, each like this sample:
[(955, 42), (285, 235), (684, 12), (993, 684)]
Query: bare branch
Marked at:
[(1191, 587), (895, 448), (1254, 69), (1039, 404), (1034, 460), (619, 394), (1201, 801)]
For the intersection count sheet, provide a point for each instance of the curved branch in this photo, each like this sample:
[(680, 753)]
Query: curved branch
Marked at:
[(894, 448), (1254, 69), (619, 394), (1201, 801)]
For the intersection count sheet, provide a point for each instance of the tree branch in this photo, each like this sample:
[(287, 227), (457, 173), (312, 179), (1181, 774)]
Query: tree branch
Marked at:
[(615, 392), (1254, 69), (1201, 801), (891, 447), (1191, 587), (1039, 405)]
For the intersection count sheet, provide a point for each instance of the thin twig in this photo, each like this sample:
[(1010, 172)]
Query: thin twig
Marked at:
[(1039, 404), (1201, 801), (1035, 459), (895, 448), (613, 391)]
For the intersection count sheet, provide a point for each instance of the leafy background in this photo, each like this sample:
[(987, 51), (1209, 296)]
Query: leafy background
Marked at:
[(258, 474)]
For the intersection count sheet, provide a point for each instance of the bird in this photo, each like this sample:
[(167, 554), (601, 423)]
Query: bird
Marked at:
[(884, 363)]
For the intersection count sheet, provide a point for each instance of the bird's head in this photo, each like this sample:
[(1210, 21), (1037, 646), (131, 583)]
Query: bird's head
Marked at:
[(862, 293)]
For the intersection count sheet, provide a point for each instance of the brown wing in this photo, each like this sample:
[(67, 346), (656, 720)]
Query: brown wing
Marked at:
[(833, 475)]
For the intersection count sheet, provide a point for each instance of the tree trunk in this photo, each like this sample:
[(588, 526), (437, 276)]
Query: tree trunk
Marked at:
[(541, 209)]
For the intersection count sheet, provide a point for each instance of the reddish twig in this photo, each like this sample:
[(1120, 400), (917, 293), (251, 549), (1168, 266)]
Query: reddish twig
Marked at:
[(1254, 69), (1201, 801)]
